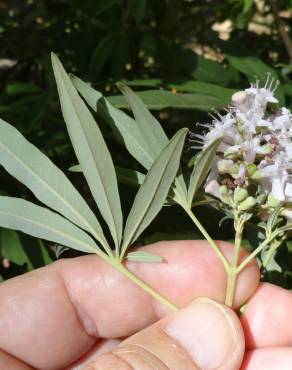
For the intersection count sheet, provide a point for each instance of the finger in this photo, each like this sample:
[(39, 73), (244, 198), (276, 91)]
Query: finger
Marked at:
[(267, 317), (64, 307), (101, 347), (205, 335), (9, 362), (268, 359)]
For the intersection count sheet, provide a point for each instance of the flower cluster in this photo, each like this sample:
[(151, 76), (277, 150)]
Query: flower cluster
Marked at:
[(253, 165)]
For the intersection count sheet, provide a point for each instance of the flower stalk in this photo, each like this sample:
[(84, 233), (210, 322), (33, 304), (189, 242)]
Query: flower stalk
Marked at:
[(233, 272)]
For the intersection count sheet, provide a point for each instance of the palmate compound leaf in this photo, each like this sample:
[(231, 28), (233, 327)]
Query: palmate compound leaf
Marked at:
[(154, 190), (49, 184), (135, 135), (19, 214), (201, 168), (91, 151)]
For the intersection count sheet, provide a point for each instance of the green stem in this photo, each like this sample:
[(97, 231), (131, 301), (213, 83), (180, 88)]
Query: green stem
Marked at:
[(207, 237), (203, 203), (253, 254), (121, 268), (232, 274), (271, 251)]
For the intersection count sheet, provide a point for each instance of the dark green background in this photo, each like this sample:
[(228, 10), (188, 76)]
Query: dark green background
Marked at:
[(153, 45)]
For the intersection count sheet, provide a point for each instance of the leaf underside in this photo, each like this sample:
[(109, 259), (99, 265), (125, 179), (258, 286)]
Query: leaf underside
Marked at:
[(154, 190), (19, 214), (91, 151)]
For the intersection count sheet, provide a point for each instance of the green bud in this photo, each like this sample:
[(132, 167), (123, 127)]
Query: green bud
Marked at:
[(225, 165), (239, 195), (234, 169), (261, 198), (251, 169), (267, 148), (223, 189), (256, 175), (231, 154), (247, 204), (272, 201)]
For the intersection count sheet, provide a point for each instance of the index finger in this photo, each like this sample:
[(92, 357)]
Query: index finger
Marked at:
[(52, 316)]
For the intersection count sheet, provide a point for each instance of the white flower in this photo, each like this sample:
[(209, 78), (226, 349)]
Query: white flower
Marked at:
[(213, 188), (256, 147)]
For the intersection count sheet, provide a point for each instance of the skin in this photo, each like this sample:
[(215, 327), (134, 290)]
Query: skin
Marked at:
[(66, 315)]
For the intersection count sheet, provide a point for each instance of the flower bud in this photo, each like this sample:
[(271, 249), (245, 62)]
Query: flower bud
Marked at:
[(272, 201), (240, 101), (231, 154), (223, 190), (247, 204), (287, 213), (225, 165), (213, 188), (256, 175), (240, 194), (266, 149), (251, 169)]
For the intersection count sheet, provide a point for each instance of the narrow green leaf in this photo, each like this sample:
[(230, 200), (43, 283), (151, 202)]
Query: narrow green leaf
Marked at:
[(126, 126), (154, 190), (222, 93), (150, 128), (45, 254), (129, 177), (201, 169), (124, 175), (91, 151), (253, 68), (19, 214), (129, 130), (140, 256), (49, 184), (12, 248), (161, 99)]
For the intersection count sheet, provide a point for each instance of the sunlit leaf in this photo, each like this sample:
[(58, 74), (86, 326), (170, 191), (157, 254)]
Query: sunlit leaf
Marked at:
[(19, 214), (161, 99), (91, 151), (141, 256), (253, 68), (222, 93), (201, 169), (154, 190), (49, 184)]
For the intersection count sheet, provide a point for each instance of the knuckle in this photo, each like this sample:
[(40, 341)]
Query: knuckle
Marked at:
[(138, 357), (109, 361)]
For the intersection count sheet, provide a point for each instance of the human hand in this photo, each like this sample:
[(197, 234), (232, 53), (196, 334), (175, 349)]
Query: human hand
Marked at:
[(67, 314)]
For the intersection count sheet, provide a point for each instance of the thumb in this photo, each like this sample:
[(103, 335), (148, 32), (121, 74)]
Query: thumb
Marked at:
[(204, 335)]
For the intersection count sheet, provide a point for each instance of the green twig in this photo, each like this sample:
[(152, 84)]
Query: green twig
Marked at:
[(152, 292), (232, 273), (201, 228), (253, 254)]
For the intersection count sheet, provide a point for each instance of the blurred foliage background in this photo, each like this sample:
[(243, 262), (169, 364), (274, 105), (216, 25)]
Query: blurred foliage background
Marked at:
[(184, 57)]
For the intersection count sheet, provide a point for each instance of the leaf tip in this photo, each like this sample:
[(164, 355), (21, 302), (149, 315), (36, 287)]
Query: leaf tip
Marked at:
[(121, 86)]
